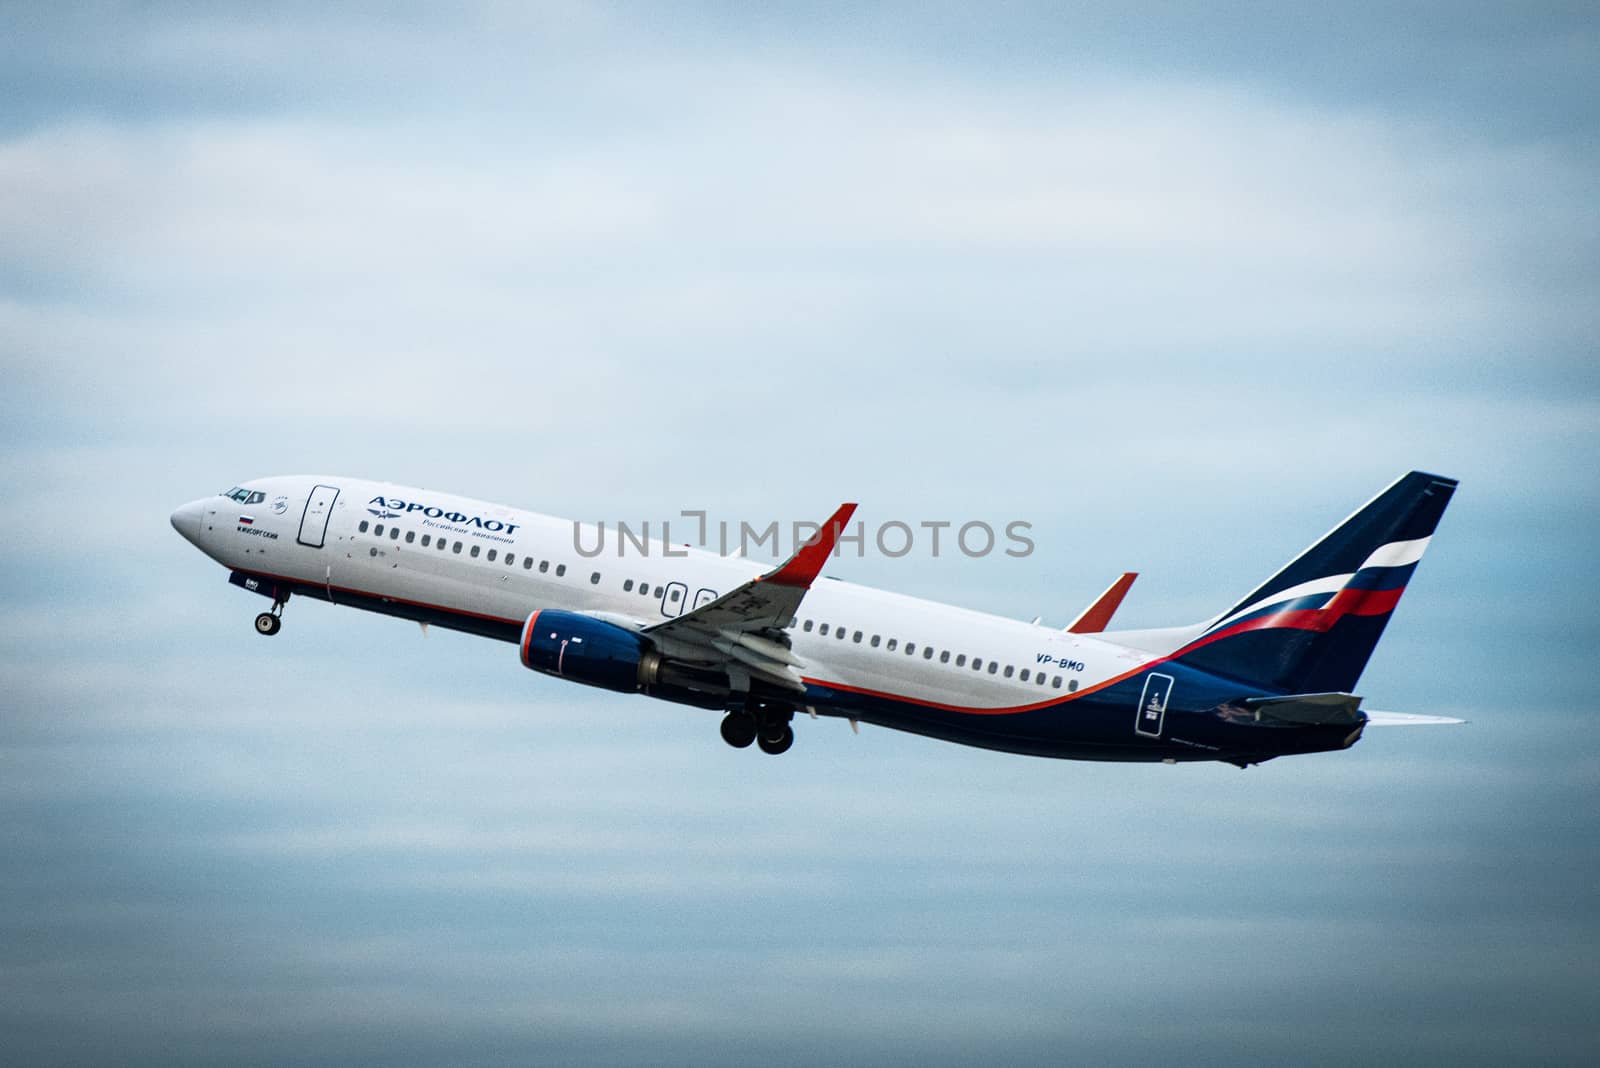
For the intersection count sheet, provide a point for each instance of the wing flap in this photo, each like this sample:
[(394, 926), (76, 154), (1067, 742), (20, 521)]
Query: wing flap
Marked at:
[(743, 630)]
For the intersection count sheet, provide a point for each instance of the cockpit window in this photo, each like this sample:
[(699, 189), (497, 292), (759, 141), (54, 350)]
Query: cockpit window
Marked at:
[(244, 496)]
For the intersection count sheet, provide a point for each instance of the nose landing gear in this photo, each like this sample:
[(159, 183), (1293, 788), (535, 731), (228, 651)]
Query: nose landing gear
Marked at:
[(270, 623)]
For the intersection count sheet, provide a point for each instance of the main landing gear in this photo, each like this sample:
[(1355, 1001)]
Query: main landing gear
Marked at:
[(765, 724), (270, 623)]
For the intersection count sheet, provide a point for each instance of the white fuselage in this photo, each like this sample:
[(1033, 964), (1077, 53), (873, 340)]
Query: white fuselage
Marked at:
[(422, 554), (1269, 677)]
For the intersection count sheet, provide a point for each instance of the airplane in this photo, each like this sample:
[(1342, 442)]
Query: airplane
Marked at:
[(1273, 675)]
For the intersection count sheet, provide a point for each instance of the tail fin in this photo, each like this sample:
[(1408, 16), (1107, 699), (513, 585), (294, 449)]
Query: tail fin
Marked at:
[(1311, 627)]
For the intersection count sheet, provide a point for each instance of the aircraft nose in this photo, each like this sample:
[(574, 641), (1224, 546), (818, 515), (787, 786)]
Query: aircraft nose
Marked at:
[(186, 521)]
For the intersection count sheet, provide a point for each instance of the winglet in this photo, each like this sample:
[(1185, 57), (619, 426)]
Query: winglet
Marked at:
[(1096, 616), (805, 565)]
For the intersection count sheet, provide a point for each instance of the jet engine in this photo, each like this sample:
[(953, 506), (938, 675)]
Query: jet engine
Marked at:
[(580, 648)]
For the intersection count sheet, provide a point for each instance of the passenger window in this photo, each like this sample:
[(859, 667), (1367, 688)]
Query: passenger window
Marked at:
[(961, 660), (491, 555), (594, 579), (1024, 675), (875, 640), (378, 530), (441, 543), (644, 588), (911, 647), (1072, 684), (857, 638), (823, 630), (927, 652), (944, 656), (363, 527), (807, 627), (527, 563), (839, 632), (511, 561), (977, 665), (627, 585), (561, 569), (456, 548), (892, 643), (1055, 683), (427, 539), (994, 665), (544, 565), (1009, 670), (675, 595), (475, 549), (1038, 679), (411, 536)]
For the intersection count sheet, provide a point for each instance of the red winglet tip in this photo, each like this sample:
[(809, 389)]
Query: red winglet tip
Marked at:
[(1098, 615), (805, 565)]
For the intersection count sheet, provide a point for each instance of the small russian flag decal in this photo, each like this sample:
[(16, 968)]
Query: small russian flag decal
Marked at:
[(247, 520)]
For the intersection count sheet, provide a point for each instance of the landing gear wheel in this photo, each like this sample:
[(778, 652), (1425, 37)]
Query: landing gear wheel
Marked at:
[(776, 742), (268, 624), (738, 729)]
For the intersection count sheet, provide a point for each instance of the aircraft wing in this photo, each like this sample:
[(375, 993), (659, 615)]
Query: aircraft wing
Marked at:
[(743, 630)]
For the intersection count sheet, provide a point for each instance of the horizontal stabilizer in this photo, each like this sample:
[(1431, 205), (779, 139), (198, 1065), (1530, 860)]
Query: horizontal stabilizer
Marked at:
[(1307, 708), (1407, 719)]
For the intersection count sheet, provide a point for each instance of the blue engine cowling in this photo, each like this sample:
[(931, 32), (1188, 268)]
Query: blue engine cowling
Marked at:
[(587, 650)]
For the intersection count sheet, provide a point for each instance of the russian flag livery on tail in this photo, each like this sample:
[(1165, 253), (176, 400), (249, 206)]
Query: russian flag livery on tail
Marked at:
[(1312, 626), (1273, 675)]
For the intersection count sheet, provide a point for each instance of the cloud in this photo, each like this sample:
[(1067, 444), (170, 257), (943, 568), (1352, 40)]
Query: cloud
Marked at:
[(1202, 233)]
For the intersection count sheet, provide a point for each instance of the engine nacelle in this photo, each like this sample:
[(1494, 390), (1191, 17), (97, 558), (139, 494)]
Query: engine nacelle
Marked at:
[(583, 649)]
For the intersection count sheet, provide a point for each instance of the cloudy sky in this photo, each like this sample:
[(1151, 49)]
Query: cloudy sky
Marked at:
[(1178, 285)]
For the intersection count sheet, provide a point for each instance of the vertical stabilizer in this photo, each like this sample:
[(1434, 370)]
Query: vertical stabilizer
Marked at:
[(1311, 627)]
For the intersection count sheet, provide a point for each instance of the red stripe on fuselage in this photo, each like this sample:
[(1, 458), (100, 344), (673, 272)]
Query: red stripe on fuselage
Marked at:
[(1004, 711), (1346, 602)]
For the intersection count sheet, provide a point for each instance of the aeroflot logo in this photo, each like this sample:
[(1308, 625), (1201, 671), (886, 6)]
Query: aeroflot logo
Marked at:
[(460, 519)]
